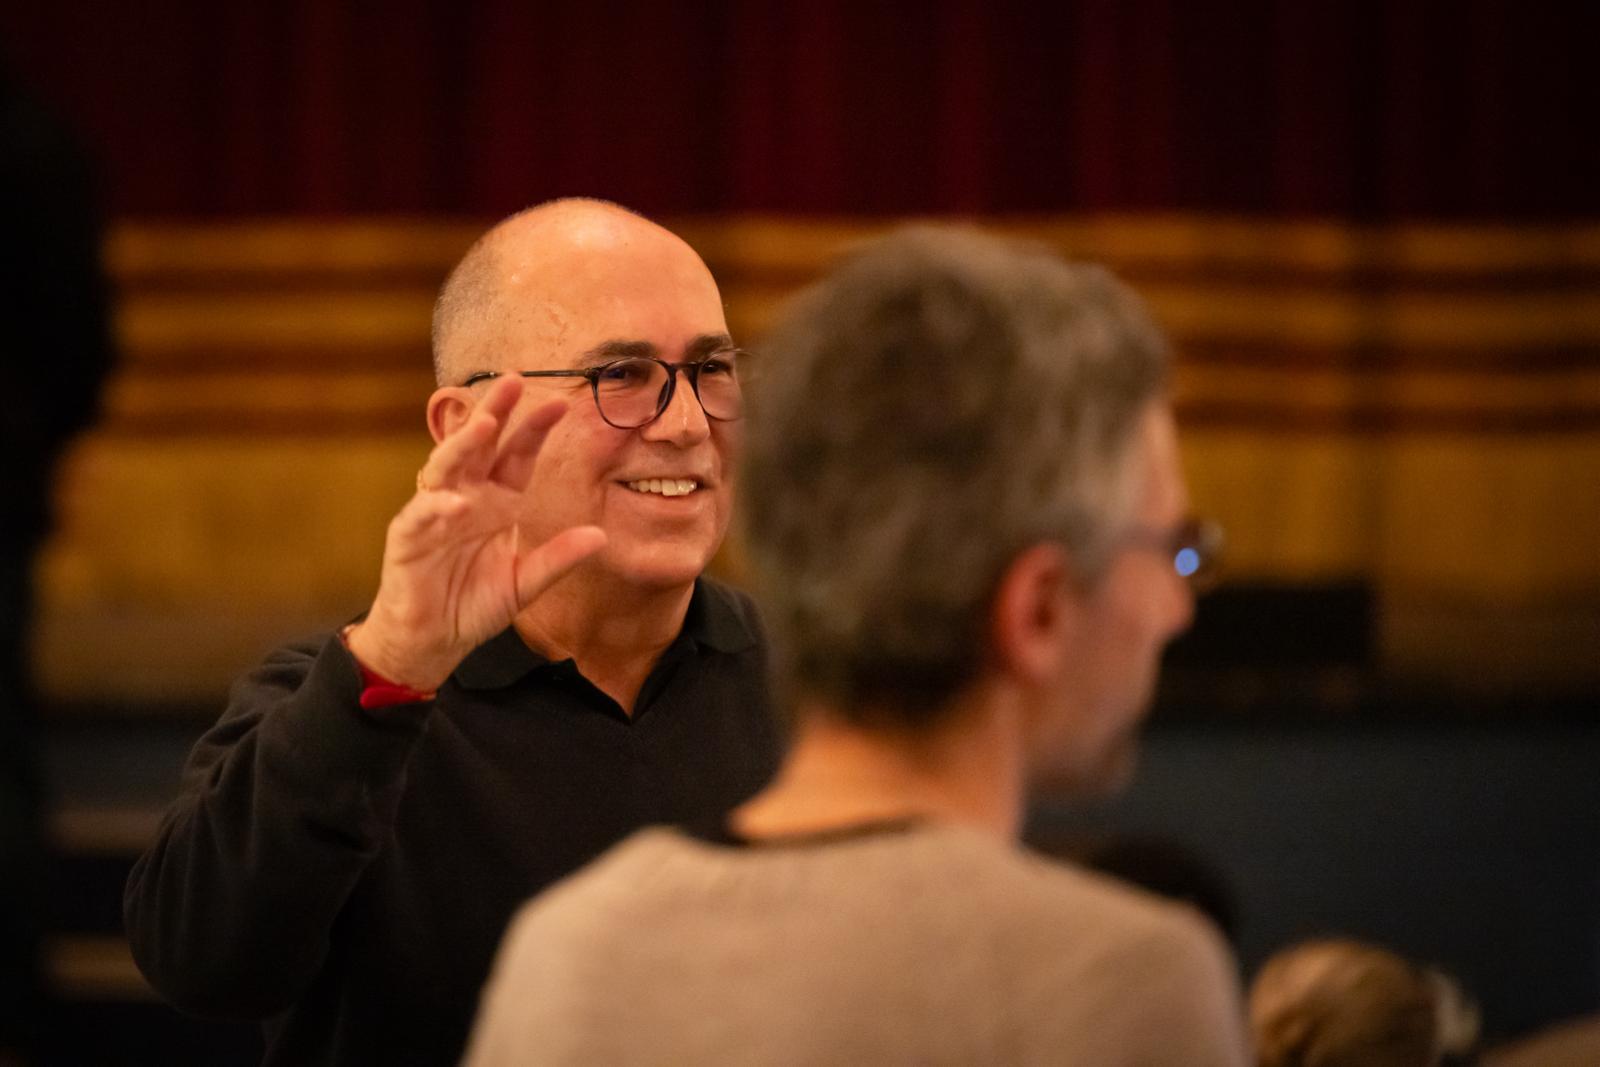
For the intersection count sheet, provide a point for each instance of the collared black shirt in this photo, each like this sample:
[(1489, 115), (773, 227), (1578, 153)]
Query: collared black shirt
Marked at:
[(345, 875)]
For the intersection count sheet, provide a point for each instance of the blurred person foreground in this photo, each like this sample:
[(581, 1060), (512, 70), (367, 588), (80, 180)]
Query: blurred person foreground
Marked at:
[(963, 503), (58, 348), (1344, 1003)]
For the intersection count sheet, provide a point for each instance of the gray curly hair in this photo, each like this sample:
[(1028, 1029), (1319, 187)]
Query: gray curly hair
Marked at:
[(933, 407)]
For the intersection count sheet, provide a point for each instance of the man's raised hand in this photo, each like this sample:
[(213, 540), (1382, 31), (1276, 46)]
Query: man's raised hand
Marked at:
[(455, 572)]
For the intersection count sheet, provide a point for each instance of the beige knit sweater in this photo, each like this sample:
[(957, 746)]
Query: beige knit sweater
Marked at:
[(930, 945)]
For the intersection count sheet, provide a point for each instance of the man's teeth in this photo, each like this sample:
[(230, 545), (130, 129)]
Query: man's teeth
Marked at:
[(665, 486)]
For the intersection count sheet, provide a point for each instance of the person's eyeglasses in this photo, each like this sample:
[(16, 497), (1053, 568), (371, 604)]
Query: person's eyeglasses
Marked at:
[(634, 391), (1194, 546)]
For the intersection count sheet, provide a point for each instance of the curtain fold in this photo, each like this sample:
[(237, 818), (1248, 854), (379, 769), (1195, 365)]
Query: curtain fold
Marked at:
[(1369, 111)]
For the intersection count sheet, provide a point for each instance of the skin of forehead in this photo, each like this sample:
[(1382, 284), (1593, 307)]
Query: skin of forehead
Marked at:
[(568, 272)]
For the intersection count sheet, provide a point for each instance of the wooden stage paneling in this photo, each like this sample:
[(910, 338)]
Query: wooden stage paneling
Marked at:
[(1415, 406)]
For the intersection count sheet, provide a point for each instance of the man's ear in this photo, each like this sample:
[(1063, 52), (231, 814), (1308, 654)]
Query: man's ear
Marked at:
[(448, 408), (1034, 608)]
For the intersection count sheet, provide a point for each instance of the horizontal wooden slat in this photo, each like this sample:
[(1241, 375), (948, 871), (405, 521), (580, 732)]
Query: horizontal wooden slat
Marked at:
[(189, 320), (1161, 242), (1297, 399), (94, 968), (125, 830), (136, 252)]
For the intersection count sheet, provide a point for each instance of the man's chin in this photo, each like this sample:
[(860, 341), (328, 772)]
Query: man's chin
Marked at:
[(1094, 775), (658, 568), (1116, 774)]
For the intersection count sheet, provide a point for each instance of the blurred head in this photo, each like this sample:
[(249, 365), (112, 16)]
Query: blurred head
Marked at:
[(571, 284), (1340, 1003), (952, 428)]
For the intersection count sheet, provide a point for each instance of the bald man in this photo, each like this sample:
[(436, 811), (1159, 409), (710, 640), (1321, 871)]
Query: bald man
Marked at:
[(542, 670)]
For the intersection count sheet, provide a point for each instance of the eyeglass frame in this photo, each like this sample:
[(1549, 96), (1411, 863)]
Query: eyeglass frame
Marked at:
[(1202, 537), (690, 368)]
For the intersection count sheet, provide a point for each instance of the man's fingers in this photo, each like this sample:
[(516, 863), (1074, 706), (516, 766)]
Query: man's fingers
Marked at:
[(468, 453), (540, 567), (501, 396), (520, 444), (451, 459)]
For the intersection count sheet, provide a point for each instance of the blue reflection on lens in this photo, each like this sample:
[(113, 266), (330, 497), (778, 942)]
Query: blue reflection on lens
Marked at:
[(1187, 561)]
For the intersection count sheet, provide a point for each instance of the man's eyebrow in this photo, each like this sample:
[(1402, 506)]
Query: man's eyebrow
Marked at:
[(708, 344), (606, 351)]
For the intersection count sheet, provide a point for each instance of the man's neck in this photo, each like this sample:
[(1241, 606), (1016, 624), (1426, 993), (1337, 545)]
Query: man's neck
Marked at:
[(613, 631), (967, 770)]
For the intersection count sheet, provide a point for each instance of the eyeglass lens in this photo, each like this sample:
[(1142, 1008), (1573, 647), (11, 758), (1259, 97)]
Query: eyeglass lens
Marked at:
[(632, 392)]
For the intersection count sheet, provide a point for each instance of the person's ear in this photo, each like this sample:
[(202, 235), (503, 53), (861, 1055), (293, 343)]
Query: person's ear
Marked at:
[(1033, 614), (448, 408)]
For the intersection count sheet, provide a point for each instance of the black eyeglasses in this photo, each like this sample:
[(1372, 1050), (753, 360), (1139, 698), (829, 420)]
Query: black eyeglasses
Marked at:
[(1194, 547), (634, 391)]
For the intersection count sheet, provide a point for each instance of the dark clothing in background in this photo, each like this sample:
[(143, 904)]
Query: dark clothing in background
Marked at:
[(57, 323), (346, 875), (56, 347)]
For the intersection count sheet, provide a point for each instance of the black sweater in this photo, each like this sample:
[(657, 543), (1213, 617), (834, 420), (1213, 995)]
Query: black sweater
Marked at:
[(345, 875)]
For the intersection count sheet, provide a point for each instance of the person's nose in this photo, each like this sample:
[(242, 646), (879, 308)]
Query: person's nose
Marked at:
[(684, 422)]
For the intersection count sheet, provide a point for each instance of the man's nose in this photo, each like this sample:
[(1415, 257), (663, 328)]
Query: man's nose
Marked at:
[(684, 421)]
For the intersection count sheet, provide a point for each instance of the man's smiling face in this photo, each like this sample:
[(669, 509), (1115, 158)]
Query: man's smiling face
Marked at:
[(578, 289)]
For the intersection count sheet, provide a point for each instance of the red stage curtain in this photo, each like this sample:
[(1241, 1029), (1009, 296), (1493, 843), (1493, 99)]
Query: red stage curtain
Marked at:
[(1363, 110)]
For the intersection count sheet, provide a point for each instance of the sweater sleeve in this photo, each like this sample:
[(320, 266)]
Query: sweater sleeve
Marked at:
[(283, 804)]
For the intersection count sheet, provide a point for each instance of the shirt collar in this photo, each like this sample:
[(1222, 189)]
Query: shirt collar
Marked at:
[(718, 619)]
